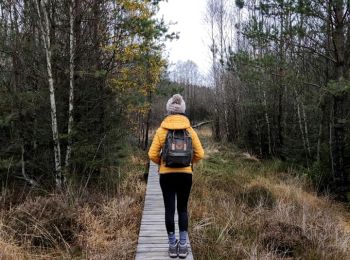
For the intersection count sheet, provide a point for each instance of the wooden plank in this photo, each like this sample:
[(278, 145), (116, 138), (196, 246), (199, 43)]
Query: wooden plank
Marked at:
[(157, 228), (155, 209), (156, 214), (153, 240), (151, 248), (159, 221), (189, 257), (151, 228), (154, 248), (152, 233)]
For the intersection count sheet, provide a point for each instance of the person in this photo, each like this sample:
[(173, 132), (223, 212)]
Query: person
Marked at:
[(175, 182)]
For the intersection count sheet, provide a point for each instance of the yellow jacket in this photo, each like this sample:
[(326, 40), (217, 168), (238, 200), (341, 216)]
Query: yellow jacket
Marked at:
[(174, 122)]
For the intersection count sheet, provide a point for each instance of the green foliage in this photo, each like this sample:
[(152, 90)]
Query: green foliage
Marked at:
[(117, 63), (167, 88), (338, 87), (293, 87), (5, 122)]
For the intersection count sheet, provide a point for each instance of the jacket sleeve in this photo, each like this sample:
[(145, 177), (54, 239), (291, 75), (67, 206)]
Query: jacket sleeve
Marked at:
[(198, 151), (154, 150)]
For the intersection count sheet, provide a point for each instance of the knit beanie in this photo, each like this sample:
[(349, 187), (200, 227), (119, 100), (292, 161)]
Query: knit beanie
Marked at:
[(176, 105)]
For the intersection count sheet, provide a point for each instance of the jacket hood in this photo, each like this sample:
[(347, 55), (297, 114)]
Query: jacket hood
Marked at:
[(175, 122)]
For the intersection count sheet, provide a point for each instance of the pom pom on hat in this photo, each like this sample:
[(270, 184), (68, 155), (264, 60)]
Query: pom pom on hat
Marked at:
[(176, 105)]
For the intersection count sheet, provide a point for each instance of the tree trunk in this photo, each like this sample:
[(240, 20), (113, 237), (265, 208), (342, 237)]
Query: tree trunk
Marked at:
[(45, 33), (267, 123), (306, 131), (339, 147), (279, 122), (71, 85), (148, 120), (338, 106), (320, 131), (301, 128)]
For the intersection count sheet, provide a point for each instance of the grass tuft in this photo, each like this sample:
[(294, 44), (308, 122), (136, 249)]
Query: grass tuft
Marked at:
[(258, 196)]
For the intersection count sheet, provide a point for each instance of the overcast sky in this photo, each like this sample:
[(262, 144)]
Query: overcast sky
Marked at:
[(189, 16)]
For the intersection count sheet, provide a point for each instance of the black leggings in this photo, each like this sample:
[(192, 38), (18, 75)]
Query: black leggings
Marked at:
[(178, 184)]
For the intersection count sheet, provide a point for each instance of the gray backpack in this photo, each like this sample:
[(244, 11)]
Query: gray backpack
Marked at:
[(177, 150)]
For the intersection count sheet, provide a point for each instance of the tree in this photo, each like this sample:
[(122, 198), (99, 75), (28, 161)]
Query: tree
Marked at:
[(290, 80), (84, 62), (44, 25)]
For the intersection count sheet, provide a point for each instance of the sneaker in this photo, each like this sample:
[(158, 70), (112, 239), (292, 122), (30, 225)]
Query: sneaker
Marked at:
[(173, 249), (183, 250)]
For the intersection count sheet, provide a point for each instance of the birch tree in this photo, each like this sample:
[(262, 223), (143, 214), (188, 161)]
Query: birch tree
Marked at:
[(44, 24), (71, 85)]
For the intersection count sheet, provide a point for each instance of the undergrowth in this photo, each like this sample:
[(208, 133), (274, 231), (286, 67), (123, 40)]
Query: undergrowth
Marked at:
[(240, 208), (244, 208), (95, 218)]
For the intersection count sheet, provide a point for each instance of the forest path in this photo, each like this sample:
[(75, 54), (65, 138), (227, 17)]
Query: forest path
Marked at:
[(153, 240)]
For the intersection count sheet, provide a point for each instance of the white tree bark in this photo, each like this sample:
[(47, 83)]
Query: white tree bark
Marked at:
[(23, 166), (45, 34), (71, 85)]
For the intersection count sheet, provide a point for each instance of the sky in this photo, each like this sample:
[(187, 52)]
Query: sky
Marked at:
[(189, 18)]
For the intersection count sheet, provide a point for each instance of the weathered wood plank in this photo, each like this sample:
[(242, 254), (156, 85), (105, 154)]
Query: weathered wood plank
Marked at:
[(153, 240), (153, 248), (146, 249)]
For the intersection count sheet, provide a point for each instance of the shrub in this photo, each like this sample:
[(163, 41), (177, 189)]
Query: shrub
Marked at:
[(285, 239), (258, 195), (43, 222)]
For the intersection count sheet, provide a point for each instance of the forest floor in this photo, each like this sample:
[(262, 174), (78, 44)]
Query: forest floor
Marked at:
[(240, 208)]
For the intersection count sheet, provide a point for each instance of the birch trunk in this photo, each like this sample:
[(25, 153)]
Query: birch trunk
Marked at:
[(45, 34), (71, 85), (23, 168)]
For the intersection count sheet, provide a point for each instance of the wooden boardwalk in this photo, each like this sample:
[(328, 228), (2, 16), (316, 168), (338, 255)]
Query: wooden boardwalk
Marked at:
[(153, 240)]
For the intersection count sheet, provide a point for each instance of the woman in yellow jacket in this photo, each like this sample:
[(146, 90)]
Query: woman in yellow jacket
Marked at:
[(175, 181)]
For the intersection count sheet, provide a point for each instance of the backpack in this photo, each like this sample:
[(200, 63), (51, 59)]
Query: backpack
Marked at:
[(177, 150)]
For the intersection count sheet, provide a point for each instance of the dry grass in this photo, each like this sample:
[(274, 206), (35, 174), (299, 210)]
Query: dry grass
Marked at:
[(242, 208), (90, 224)]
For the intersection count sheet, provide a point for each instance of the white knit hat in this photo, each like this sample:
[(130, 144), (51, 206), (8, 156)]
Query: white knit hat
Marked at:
[(176, 105)]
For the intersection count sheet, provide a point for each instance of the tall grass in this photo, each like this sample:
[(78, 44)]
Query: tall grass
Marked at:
[(243, 208), (240, 208), (99, 220)]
